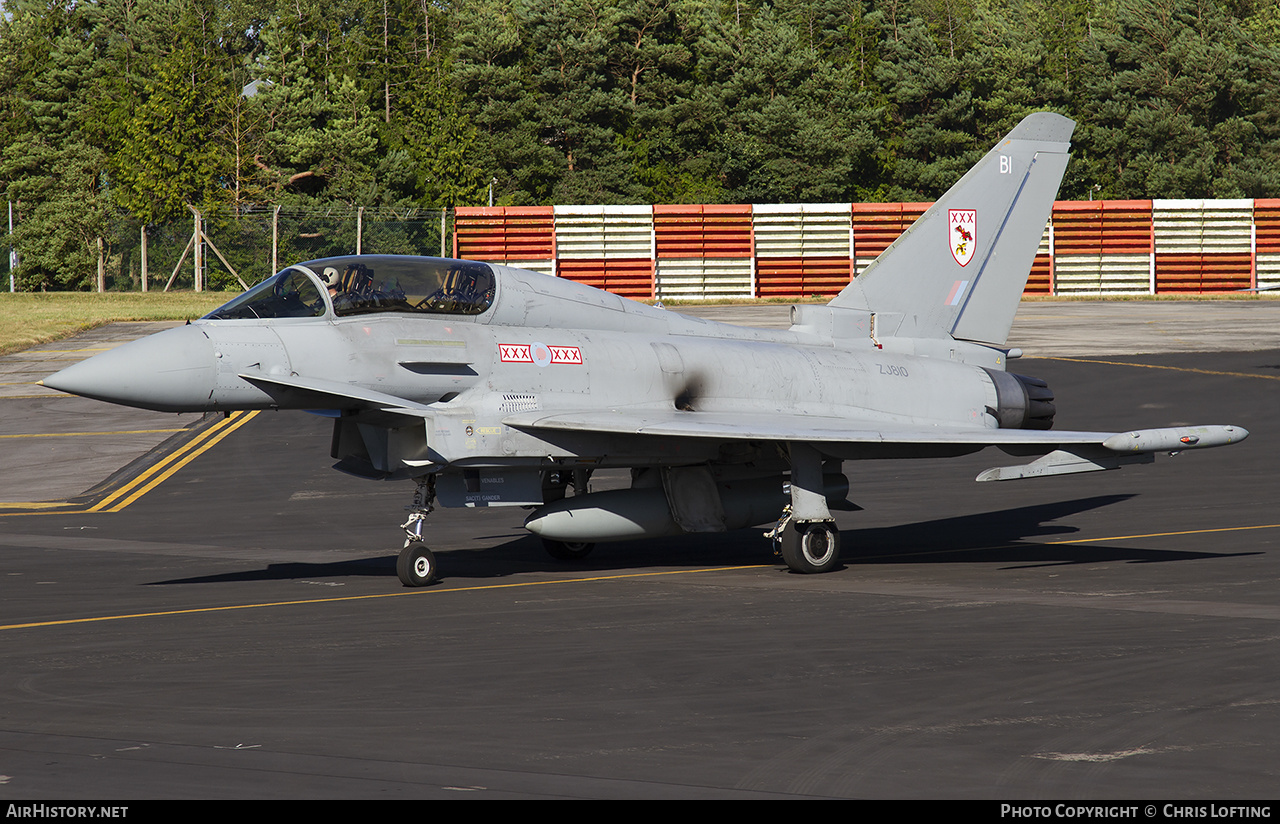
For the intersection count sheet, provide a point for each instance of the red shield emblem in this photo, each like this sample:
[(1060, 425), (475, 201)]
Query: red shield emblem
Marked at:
[(962, 234)]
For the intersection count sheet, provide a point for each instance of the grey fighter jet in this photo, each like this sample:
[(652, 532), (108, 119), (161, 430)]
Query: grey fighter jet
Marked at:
[(494, 386)]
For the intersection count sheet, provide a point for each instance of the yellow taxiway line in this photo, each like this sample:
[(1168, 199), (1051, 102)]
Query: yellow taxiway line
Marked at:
[(1163, 534), (1098, 540), (1170, 368), (146, 481), (479, 588), (165, 469), (34, 505), (529, 584), (373, 596), (82, 434)]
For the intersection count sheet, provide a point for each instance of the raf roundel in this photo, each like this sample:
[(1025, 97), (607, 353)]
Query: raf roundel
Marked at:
[(539, 354)]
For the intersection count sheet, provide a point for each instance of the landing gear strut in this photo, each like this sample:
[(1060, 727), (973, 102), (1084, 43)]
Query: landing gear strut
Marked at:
[(416, 566), (555, 486), (807, 536)]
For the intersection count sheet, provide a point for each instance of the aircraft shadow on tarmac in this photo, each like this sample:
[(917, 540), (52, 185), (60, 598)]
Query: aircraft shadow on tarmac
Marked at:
[(996, 537), (985, 538)]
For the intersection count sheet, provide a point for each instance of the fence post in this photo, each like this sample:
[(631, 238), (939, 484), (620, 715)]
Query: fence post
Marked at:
[(275, 240), (143, 250), (198, 257), (13, 256)]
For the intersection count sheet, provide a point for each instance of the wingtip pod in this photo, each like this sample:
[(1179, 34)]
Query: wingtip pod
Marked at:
[(1175, 439), (1123, 449)]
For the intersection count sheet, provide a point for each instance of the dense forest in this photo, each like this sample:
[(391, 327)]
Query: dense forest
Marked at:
[(132, 109)]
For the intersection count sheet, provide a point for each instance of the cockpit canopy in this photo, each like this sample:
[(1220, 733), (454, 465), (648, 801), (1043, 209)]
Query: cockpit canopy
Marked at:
[(363, 284)]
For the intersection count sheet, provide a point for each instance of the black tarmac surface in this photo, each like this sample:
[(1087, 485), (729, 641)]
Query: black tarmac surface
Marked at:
[(237, 631)]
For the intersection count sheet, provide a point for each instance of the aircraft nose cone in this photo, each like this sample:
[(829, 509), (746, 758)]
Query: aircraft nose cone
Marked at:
[(172, 371)]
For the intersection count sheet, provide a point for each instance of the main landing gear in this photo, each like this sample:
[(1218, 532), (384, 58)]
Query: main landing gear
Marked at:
[(807, 548), (807, 536), (555, 487), (416, 565)]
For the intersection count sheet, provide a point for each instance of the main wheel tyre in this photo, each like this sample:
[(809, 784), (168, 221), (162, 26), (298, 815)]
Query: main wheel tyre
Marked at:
[(416, 566), (565, 551), (811, 547)]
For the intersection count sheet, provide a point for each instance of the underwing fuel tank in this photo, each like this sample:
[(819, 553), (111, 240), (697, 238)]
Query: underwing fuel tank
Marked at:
[(628, 514)]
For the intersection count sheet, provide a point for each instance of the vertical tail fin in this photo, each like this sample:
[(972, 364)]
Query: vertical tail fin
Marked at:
[(960, 269)]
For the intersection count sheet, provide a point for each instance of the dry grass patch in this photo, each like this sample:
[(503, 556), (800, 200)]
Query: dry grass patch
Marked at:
[(31, 318)]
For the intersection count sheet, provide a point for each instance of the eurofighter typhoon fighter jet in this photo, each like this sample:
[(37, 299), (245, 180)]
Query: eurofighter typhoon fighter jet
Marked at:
[(494, 386)]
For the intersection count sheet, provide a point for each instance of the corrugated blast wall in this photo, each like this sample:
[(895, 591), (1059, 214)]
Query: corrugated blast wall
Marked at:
[(713, 252)]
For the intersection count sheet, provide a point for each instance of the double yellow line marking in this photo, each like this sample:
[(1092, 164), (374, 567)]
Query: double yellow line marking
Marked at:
[(153, 476), (162, 471)]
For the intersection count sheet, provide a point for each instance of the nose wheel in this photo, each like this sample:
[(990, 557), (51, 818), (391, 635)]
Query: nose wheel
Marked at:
[(416, 565)]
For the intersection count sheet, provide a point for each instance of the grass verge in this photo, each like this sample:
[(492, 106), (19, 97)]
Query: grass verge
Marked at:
[(31, 318)]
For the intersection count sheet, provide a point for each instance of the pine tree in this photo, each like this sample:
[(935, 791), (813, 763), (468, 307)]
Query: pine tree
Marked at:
[(168, 156), (50, 168)]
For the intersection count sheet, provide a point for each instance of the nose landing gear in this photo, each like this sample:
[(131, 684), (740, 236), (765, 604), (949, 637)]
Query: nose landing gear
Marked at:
[(416, 565)]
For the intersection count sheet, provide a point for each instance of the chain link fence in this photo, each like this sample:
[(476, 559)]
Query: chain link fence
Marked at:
[(236, 252)]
